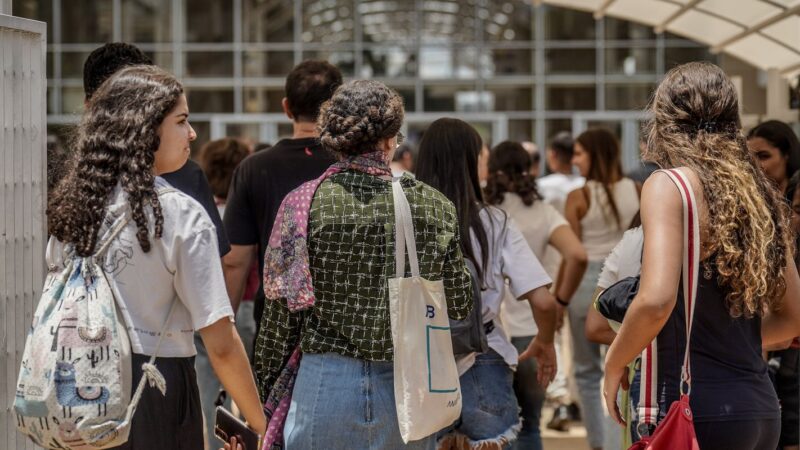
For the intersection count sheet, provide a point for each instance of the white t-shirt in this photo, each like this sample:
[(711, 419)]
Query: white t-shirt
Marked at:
[(183, 264), (625, 260), (512, 267), (556, 187), (536, 223)]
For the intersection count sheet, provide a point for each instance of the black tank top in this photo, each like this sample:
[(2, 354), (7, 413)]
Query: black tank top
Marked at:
[(729, 376)]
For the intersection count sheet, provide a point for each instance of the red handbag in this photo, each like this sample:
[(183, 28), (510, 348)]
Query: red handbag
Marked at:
[(676, 431)]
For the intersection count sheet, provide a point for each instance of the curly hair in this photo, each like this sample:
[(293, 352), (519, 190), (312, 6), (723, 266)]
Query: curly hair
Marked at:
[(218, 159), (509, 171), (695, 123), (116, 141), (358, 116)]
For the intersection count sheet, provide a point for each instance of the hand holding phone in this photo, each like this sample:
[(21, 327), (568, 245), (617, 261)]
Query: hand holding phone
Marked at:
[(229, 426)]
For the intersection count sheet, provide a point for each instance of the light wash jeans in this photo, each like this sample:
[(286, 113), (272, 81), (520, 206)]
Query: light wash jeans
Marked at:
[(206, 378), (342, 403), (588, 363)]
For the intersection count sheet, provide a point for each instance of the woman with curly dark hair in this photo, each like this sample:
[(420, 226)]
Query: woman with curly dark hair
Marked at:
[(330, 255), (164, 263), (748, 291), (512, 188)]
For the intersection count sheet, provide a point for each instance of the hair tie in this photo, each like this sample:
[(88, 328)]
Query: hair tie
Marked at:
[(709, 126)]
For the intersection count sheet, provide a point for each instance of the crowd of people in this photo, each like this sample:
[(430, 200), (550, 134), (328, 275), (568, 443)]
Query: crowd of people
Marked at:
[(280, 258)]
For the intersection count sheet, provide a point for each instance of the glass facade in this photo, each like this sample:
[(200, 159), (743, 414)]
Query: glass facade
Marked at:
[(517, 70)]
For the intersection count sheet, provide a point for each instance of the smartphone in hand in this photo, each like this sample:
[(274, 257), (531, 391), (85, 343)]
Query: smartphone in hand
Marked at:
[(228, 426)]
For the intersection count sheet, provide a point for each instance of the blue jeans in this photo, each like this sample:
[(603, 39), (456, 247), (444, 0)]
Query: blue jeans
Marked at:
[(342, 403), (489, 411), (530, 396)]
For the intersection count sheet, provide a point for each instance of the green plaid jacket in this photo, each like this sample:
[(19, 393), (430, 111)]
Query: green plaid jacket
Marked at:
[(351, 252)]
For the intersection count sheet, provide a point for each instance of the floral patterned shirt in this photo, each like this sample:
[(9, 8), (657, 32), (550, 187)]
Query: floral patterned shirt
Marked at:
[(351, 256)]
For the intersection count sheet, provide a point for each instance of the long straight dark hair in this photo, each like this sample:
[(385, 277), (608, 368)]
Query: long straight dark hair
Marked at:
[(447, 160), (606, 164)]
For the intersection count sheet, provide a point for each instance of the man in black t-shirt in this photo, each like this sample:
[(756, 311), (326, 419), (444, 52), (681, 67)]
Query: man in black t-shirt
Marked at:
[(263, 179), (189, 179)]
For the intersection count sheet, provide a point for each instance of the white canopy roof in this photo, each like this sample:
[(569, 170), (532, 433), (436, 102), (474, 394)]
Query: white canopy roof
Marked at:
[(765, 33)]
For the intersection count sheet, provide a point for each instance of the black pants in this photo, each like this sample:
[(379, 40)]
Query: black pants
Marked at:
[(738, 434), (174, 421)]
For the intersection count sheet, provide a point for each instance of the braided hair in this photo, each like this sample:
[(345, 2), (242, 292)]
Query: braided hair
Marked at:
[(116, 142), (359, 115)]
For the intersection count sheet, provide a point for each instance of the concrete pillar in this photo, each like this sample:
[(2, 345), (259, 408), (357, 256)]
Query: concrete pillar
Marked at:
[(5, 7)]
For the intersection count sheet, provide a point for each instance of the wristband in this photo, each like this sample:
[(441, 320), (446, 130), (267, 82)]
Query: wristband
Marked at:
[(562, 302)]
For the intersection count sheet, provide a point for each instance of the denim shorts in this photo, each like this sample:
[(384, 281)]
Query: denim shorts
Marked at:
[(342, 403), (489, 411)]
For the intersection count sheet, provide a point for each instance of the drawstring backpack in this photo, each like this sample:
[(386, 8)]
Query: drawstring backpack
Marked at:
[(74, 385)]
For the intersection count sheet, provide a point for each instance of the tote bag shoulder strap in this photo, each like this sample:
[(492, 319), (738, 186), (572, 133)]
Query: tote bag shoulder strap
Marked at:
[(648, 405), (404, 233)]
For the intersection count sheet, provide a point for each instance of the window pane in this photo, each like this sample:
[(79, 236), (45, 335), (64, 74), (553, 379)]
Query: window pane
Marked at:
[(387, 22), (209, 21), (676, 56), (555, 126), (447, 62), (162, 59), (268, 64), (628, 96), (565, 98), (209, 100), (328, 21), (568, 24), (631, 61), (511, 62), (209, 64), (271, 21), (453, 98), (246, 132), (41, 10), (570, 60), (263, 100), (507, 21), (625, 30), (409, 97), (72, 100), (203, 130), (389, 62), (144, 21), (520, 130), (72, 64), (343, 59), (448, 21), (86, 21), (512, 98)]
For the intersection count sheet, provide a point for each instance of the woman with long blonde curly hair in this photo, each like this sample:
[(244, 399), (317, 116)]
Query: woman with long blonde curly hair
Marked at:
[(748, 289)]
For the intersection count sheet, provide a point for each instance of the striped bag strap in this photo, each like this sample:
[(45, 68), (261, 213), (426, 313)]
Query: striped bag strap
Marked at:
[(648, 402)]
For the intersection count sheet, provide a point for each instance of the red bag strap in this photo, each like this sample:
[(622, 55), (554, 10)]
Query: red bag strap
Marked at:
[(648, 404)]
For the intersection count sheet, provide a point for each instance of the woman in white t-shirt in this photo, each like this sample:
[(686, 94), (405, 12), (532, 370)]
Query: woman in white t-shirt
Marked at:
[(164, 259), (448, 161), (599, 213), (512, 188)]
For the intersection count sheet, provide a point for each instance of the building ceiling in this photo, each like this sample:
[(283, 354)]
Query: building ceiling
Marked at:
[(764, 33)]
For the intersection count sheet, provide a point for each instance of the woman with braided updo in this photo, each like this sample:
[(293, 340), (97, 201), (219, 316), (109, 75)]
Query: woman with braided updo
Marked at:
[(326, 272), (748, 291), (158, 248)]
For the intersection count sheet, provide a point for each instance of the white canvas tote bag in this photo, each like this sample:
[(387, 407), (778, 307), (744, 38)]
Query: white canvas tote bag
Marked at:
[(426, 387)]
